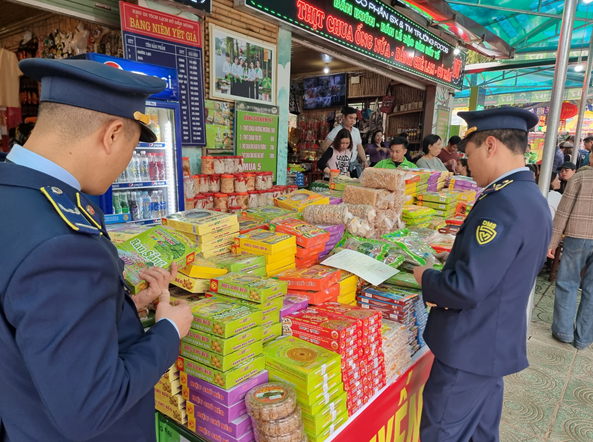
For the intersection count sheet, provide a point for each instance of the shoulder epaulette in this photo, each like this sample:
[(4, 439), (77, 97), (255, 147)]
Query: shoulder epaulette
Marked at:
[(68, 211)]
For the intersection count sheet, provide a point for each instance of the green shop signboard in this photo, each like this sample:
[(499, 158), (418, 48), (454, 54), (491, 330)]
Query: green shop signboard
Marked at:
[(374, 30), (257, 136)]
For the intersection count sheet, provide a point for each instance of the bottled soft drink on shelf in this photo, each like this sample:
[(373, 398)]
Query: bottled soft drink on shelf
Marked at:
[(163, 203), (125, 206), (116, 204), (154, 123), (134, 207), (146, 202), (123, 178), (161, 167), (144, 172), (136, 177), (155, 206), (153, 168)]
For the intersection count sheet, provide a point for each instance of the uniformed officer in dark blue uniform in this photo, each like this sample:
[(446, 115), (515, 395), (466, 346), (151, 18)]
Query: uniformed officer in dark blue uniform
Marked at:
[(478, 327), (75, 362)]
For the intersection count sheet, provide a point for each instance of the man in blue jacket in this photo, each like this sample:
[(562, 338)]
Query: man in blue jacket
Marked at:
[(75, 361), (478, 325)]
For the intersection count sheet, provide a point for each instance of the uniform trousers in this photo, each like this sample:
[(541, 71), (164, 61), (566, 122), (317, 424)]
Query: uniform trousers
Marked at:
[(461, 406)]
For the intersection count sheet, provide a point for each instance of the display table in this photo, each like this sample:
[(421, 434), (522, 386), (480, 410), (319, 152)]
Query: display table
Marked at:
[(393, 414)]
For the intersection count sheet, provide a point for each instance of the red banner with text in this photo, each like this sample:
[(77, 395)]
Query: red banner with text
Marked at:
[(395, 415)]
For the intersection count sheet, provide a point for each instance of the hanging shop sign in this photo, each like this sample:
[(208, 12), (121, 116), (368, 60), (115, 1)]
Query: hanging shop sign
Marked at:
[(374, 30), (154, 37), (522, 98), (395, 414), (257, 136)]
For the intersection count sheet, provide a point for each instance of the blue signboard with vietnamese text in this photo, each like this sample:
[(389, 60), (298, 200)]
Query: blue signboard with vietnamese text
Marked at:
[(154, 37)]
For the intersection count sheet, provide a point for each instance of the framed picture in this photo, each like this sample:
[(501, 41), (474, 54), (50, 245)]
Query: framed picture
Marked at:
[(241, 68)]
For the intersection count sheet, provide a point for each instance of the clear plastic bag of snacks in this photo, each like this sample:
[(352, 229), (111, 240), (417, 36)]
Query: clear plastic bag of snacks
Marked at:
[(388, 179), (363, 211), (360, 227), (370, 247), (327, 214)]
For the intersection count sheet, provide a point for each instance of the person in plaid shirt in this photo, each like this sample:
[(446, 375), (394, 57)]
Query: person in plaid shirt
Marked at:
[(574, 220)]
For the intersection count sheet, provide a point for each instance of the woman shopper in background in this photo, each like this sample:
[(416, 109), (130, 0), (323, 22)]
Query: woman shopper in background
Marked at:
[(431, 146), (338, 156), (377, 148)]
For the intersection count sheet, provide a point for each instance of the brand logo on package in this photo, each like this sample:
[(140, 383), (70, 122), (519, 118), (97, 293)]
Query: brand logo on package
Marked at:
[(169, 75)]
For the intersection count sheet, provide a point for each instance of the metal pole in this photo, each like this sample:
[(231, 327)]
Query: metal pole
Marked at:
[(580, 121), (551, 140)]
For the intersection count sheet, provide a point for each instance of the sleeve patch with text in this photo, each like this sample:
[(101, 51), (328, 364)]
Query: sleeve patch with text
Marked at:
[(486, 232)]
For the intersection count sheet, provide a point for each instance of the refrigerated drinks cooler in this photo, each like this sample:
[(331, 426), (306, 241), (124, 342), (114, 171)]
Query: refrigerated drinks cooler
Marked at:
[(152, 184)]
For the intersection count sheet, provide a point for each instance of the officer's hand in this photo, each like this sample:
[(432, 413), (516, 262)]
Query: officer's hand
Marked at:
[(551, 253), (443, 256), (418, 272), (180, 313), (158, 280)]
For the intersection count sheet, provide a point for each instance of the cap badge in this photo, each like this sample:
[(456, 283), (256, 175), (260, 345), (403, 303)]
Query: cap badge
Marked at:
[(139, 116), (471, 130)]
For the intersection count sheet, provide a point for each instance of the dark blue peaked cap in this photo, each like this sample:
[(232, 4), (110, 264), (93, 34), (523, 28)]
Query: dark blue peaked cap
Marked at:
[(501, 118), (96, 86)]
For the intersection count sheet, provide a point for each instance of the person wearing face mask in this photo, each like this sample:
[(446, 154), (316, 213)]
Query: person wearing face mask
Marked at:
[(477, 325), (348, 122), (397, 151), (339, 156), (431, 147)]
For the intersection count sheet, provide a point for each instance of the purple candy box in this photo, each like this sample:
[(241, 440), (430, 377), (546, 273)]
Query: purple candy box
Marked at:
[(293, 303)]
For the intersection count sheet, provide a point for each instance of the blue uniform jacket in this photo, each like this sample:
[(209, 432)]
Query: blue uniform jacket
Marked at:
[(487, 280), (75, 362)]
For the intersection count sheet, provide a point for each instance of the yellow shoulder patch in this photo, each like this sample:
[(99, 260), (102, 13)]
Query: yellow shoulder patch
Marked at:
[(486, 232)]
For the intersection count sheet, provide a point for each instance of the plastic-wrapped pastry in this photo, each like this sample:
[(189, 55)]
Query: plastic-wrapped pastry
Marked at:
[(327, 214), (295, 436), (392, 180), (270, 401), (379, 199), (363, 211), (278, 427), (359, 227)]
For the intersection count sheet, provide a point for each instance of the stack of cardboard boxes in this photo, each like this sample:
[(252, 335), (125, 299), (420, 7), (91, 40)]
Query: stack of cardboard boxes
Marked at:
[(310, 240), (318, 283)]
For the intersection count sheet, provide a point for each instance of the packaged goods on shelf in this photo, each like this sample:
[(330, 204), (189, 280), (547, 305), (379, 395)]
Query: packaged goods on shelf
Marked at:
[(299, 200), (276, 272), (307, 235), (247, 225), (248, 287), (293, 303), (205, 422), (438, 197), (403, 279), (272, 332), (225, 396), (317, 277), (156, 247), (317, 297), (362, 211), (267, 214), (203, 269), (263, 241), (225, 379), (199, 222), (377, 198), (204, 404), (223, 346), (240, 263), (119, 236), (302, 363), (192, 285), (393, 180), (224, 319), (218, 361)]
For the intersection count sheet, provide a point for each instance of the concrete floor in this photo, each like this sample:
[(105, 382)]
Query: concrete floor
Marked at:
[(552, 400)]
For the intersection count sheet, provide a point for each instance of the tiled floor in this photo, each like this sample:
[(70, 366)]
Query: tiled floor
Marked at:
[(551, 401)]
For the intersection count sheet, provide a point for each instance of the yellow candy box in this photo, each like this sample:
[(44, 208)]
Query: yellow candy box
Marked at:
[(265, 241)]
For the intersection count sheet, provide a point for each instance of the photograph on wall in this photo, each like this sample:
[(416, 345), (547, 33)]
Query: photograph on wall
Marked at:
[(243, 67)]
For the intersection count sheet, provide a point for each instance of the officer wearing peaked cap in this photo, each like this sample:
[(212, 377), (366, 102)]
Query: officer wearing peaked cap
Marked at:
[(76, 363), (477, 328)]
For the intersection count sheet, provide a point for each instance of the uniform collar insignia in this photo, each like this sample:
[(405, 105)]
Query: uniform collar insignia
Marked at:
[(67, 210)]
